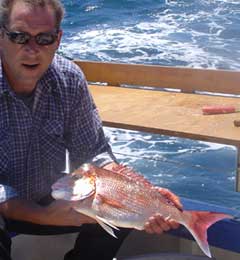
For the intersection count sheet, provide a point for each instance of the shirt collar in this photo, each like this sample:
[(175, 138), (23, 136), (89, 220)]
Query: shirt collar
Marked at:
[(49, 80), (4, 87)]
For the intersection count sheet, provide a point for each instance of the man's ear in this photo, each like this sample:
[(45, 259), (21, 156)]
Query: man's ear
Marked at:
[(1, 38), (59, 37), (1, 33)]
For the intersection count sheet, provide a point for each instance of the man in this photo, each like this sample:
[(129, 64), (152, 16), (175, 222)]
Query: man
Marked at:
[(45, 108)]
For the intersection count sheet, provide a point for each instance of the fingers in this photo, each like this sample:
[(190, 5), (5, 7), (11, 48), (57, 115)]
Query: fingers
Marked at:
[(173, 224), (157, 224)]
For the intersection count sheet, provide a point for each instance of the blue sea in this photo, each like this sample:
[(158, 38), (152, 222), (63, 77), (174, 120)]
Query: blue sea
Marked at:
[(189, 33)]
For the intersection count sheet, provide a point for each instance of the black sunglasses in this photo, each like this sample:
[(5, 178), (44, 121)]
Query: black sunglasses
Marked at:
[(45, 38)]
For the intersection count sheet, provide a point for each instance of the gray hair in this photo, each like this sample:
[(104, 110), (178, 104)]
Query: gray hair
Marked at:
[(56, 5)]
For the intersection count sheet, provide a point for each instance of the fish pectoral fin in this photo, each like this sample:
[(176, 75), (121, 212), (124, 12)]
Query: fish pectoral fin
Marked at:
[(106, 225), (100, 199), (107, 222)]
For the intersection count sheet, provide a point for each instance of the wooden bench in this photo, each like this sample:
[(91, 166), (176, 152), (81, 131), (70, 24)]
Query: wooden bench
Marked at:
[(134, 97)]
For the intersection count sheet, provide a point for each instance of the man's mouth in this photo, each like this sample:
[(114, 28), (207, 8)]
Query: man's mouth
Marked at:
[(30, 66)]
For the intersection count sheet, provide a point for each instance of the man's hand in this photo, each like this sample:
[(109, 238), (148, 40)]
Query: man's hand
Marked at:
[(157, 224)]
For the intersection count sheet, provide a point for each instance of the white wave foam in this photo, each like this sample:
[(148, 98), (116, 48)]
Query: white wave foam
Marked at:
[(186, 39), (216, 146)]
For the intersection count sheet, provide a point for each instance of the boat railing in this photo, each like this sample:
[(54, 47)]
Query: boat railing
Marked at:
[(167, 100)]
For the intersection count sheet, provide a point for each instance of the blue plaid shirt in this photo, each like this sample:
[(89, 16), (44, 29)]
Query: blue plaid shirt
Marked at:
[(33, 141)]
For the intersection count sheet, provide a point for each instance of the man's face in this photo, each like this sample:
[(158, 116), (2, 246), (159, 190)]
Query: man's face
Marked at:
[(24, 64)]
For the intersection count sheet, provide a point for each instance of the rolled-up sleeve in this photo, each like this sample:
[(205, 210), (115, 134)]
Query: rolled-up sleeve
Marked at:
[(6, 190), (6, 193)]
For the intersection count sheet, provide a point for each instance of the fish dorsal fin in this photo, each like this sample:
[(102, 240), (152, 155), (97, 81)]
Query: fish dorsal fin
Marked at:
[(100, 199), (131, 174), (170, 197), (120, 169), (106, 226)]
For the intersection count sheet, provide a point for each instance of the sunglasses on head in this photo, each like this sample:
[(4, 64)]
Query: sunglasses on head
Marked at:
[(45, 38)]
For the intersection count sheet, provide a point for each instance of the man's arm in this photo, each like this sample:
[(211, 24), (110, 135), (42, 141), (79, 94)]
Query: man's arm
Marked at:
[(59, 213)]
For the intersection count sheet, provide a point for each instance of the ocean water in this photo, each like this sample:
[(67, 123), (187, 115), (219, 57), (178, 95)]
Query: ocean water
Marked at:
[(189, 33)]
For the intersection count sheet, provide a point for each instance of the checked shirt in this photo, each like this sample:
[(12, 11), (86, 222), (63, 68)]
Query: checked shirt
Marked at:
[(33, 142)]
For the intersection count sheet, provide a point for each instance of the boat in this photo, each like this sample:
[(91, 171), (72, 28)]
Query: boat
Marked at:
[(168, 101)]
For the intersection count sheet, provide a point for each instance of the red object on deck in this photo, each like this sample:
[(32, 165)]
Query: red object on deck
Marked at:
[(219, 109)]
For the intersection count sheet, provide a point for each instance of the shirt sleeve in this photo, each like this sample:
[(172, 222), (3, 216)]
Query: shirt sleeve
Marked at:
[(104, 158), (85, 135), (6, 193), (6, 190)]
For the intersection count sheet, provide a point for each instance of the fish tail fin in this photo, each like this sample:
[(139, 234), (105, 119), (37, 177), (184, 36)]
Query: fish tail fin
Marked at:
[(198, 223)]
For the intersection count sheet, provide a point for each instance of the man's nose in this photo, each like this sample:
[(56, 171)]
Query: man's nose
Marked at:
[(32, 46)]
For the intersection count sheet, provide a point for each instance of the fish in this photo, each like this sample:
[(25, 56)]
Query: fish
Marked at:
[(122, 197)]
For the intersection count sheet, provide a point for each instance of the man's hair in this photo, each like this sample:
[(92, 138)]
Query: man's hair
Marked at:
[(56, 5)]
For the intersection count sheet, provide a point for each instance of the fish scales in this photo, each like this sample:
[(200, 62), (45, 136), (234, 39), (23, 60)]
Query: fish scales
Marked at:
[(132, 196)]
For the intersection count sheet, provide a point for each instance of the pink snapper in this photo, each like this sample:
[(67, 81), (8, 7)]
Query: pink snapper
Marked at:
[(123, 198)]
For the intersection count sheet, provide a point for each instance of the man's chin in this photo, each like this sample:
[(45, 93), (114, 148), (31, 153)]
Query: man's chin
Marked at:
[(31, 72)]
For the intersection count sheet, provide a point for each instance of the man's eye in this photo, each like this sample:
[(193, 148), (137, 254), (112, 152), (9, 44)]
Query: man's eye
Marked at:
[(18, 36)]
